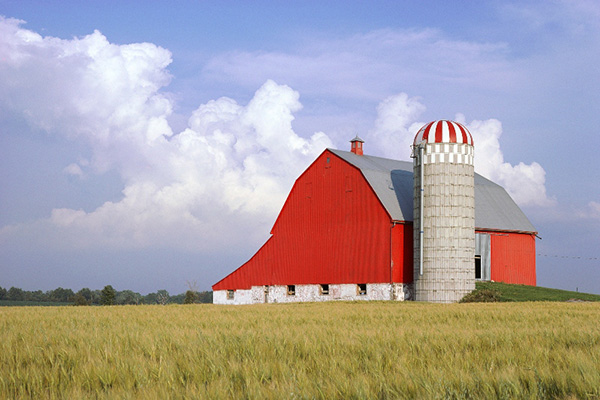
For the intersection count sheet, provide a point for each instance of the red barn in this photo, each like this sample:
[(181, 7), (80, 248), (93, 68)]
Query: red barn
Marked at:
[(346, 232)]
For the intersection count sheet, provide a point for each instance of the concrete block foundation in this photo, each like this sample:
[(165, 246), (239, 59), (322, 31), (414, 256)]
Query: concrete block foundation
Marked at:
[(313, 293)]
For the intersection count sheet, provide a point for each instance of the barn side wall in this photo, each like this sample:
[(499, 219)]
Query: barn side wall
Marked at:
[(332, 229), (512, 257), (303, 293)]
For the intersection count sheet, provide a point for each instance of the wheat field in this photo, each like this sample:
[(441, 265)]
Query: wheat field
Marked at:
[(375, 350)]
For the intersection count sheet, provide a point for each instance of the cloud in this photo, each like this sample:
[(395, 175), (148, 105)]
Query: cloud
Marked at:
[(396, 126), (353, 67), (397, 123), (230, 168), (74, 170), (525, 183), (592, 211), (87, 88), (233, 165)]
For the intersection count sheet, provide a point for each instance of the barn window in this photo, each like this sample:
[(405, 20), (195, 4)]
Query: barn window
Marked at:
[(325, 289), (361, 289), (477, 267), (230, 294), (291, 290)]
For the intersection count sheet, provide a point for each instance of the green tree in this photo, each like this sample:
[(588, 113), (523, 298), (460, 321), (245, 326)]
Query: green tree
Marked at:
[(190, 297), (162, 296), (150, 298), (61, 295), (97, 296), (80, 300), (15, 294), (205, 297), (87, 294), (3, 293), (108, 295), (128, 297), (38, 296)]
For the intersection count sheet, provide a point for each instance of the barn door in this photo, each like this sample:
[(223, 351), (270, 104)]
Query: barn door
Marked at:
[(483, 257)]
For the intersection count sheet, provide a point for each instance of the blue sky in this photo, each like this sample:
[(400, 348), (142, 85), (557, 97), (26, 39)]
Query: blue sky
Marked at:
[(147, 145)]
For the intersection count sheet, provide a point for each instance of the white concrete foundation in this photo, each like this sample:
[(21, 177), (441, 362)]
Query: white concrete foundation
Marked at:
[(304, 293)]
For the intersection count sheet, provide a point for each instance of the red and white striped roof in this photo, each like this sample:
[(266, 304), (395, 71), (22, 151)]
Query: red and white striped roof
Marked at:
[(443, 131)]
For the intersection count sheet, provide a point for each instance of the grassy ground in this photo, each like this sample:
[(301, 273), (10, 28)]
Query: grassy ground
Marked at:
[(302, 351), (19, 303), (530, 293)]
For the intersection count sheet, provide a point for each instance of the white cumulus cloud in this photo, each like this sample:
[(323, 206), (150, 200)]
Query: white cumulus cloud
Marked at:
[(233, 165), (396, 126), (526, 183)]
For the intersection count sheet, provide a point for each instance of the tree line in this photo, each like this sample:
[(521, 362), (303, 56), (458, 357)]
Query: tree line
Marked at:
[(107, 296)]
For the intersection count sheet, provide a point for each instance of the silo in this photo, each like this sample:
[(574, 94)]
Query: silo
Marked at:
[(444, 212)]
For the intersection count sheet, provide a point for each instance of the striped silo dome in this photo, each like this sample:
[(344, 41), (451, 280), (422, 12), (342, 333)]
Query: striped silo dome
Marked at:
[(443, 131)]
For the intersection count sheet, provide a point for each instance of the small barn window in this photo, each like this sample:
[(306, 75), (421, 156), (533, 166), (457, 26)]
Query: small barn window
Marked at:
[(230, 294), (477, 267), (291, 290), (361, 289), (325, 289)]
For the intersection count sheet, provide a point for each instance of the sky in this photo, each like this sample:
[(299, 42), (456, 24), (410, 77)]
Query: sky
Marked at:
[(151, 145)]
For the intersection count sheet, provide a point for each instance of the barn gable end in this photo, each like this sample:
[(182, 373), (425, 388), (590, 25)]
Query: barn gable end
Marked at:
[(332, 229)]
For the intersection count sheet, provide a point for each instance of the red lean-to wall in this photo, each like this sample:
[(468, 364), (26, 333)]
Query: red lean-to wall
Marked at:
[(332, 229), (402, 253), (512, 257)]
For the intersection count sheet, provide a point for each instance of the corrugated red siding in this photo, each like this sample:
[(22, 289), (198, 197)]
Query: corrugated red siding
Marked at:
[(402, 253), (332, 229), (513, 257)]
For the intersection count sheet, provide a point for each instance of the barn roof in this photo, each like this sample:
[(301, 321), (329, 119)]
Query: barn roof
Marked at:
[(392, 182)]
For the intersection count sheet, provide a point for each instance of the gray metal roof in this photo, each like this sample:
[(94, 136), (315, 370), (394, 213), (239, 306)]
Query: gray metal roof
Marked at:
[(392, 181)]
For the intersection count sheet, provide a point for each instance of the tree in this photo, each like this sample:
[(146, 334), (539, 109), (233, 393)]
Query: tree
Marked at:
[(108, 295), (190, 297), (150, 298), (96, 296), (87, 294), (3, 293), (61, 295), (162, 296), (80, 300), (128, 297), (37, 296), (15, 294), (205, 297)]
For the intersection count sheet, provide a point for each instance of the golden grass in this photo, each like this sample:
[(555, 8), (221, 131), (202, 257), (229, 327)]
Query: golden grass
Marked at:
[(302, 351)]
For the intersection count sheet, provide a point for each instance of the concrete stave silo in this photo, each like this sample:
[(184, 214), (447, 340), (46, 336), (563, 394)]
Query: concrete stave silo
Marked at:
[(444, 212)]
